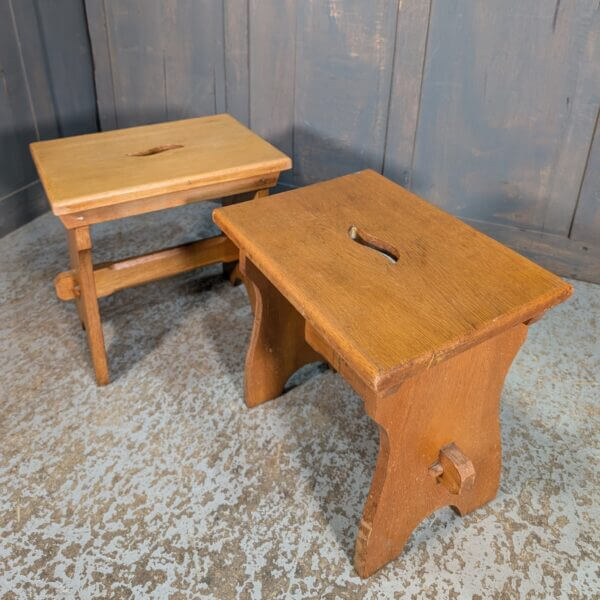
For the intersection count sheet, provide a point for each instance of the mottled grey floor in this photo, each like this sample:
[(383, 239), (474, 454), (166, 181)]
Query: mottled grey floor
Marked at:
[(164, 485)]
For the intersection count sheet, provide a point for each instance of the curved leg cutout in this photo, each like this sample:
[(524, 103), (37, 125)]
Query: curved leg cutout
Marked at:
[(277, 345), (439, 446)]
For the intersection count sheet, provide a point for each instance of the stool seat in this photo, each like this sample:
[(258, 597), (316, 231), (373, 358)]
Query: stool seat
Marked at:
[(389, 281), (114, 167)]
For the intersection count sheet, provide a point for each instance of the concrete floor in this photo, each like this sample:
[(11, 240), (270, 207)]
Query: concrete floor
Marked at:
[(164, 485)]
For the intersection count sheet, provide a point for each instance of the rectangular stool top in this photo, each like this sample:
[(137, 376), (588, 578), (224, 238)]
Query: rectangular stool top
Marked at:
[(107, 168), (392, 283)]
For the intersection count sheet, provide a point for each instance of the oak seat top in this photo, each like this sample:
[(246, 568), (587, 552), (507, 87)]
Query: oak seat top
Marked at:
[(441, 288), (112, 167)]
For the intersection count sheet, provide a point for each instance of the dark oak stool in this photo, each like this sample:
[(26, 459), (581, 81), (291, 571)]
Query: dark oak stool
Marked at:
[(106, 176), (419, 312)]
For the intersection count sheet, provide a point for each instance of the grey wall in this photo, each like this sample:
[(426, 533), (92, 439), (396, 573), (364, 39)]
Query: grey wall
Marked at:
[(46, 91), (488, 109)]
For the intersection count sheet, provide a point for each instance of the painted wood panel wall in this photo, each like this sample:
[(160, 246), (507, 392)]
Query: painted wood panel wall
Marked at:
[(488, 109), (46, 91)]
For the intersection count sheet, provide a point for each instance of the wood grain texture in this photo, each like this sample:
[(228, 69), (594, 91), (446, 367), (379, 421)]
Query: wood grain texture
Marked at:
[(586, 221), (137, 270), (399, 323), (578, 21), (412, 25), (456, 402), (272, 41), (100, 36), (77, 240), (138, 60), (193, 58), (506, 110), (19, 125), (36, 40), (80, 252), (454, 469), (157, 60), (105, 169), (68, 57), (237, 48), (344, 53), (277, 346), (231, 270), (37, 62), (142, 206)]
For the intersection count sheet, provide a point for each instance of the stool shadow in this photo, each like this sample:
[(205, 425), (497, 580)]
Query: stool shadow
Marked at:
[(141, 317), (343, 474)]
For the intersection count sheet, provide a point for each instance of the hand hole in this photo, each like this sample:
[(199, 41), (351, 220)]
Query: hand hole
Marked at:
[(156, 150), (368, 241)]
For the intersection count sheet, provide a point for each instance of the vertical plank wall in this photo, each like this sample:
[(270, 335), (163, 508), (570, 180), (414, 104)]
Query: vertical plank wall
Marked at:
[(46, 90), (488, 109)]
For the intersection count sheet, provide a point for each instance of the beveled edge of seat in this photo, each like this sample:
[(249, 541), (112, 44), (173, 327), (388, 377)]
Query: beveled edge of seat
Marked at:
[(384, 382), (68, 206)]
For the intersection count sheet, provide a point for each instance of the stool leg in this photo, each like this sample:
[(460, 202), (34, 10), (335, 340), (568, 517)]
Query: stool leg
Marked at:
[(452, 404), (80, 252), (74, 261), (277, 347), (231, 270)]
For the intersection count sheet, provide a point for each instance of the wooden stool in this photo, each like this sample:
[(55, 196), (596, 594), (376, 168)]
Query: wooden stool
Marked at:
[(420, 313), (106, 176)]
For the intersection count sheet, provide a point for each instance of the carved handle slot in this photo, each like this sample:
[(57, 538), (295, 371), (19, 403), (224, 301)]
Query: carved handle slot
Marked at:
[(156, 150), (365, 239)]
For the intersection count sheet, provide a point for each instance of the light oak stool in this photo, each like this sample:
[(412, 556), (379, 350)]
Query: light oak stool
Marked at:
[(419, 312), (105, 176)]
